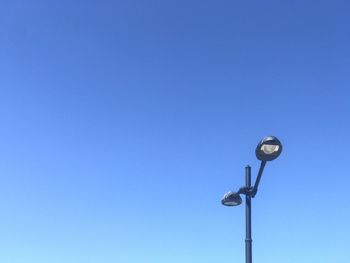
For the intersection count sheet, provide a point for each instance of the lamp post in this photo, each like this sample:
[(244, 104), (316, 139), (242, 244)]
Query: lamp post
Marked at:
[(267, 150)]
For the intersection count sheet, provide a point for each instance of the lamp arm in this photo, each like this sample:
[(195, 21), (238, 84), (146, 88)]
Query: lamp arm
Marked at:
[(257, 181)]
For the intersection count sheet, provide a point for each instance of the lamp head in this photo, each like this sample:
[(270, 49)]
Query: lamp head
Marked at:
[(268, 149), (231, 199)]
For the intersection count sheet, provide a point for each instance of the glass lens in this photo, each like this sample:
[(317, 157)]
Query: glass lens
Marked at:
[(231, 203), (269, 149)]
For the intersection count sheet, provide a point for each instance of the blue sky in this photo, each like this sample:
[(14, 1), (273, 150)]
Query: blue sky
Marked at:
[(124, 122)]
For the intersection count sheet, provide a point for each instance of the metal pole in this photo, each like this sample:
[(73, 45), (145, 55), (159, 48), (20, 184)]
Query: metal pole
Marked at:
[(248, 218)]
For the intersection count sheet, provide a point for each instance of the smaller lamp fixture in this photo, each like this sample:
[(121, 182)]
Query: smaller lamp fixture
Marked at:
[(231, 199)]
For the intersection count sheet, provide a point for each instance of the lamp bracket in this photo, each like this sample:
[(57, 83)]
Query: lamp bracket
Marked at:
[(245, 191)]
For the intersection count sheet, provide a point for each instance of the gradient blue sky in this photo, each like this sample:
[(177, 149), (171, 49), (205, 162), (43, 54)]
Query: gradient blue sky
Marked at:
[(124, 122)]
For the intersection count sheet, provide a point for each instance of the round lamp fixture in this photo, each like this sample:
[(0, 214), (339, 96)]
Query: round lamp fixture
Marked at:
[(231, 199), (268, 149)]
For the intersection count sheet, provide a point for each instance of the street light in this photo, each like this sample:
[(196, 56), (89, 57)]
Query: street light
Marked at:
[(268, 149), (231, 199)]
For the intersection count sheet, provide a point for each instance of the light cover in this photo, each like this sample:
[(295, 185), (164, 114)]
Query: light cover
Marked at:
[(269, 149)]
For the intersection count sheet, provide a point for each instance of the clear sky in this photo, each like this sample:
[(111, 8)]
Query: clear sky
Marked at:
[(124, 122)]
